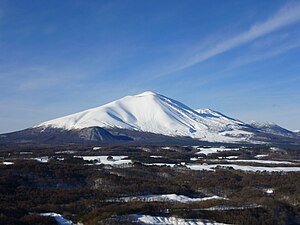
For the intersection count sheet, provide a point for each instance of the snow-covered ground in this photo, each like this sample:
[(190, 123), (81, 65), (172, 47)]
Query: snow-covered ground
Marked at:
[(260, 156), (26, 153), (65, 152), (59, 218), (7, 163), (116, 160), (195, 158), (232, 157), (212, 167), (159, 220), (43, 159), (160, 164), (168, 198), (156, 156), (255, 161), (212, 150), (226, 207), (269, 190)]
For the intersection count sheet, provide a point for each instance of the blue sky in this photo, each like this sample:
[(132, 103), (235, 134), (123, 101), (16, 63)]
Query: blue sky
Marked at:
[(241, 58)]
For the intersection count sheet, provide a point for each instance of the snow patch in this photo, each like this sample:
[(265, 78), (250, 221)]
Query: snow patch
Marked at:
[(212, 167), (260, 156), (207, 151), (8, 163), (107, 160), (159, 220), (269, 191), (65, 152), (169, 198), (226, 207), (195, 158), (160, 164), (59, 219), (26, 153), (156, 156), (257, 161), (232, 157), (43, 159)]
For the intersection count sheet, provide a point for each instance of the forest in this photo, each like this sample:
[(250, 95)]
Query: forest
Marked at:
[(89, 192)]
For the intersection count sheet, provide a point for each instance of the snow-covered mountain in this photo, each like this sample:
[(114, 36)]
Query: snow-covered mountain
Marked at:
[(271, 128), (149, 118), (155, 113)]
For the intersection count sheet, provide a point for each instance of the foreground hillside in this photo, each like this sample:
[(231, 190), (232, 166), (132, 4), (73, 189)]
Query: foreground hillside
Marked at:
[(150, 185)]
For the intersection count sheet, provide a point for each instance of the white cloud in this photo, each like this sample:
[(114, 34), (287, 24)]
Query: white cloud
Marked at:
[(263, 55), (38, 77), (287, 15)]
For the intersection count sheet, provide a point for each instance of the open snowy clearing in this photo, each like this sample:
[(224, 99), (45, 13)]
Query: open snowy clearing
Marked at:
[(156, 156), (26, 153), (260, 156), (195, 158), (107, 160), (225, 207), (212, 167), (43, 159), (59, 218), (7, 163), (269, 190), (158, 220), (160, 164), (65, 152), (230, 157), (255, 161), (207, 151), (168, 198)]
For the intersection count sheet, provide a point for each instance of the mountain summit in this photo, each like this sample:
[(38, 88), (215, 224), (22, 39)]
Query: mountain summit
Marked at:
[(149, 117), (156, 113)]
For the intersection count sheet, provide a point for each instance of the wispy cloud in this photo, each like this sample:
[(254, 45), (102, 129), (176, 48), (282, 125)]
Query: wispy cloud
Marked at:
[(243, 60), (37, 77), (263, 55), (287, 15)]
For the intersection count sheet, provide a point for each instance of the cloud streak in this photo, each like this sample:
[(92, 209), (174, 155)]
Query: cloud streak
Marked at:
[(287, 15), (265, 55)]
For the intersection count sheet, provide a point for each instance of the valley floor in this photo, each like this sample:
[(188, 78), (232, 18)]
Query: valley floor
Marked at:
[(149, 185)]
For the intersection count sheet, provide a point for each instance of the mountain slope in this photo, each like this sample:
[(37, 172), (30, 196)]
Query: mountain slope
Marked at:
[(155, 113), (272, 128), (50, 135), (149, 118)]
